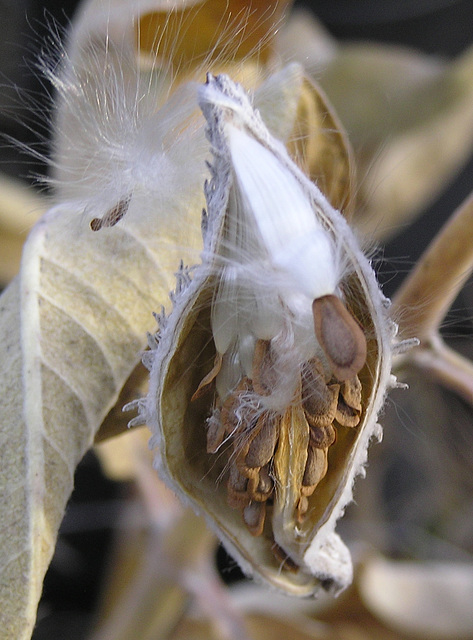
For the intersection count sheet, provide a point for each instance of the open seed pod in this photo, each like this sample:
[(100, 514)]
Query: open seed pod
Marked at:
[(268, 375)]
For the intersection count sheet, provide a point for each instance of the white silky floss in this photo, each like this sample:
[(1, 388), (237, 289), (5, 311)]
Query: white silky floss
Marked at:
[(296, 243), (277, 256)]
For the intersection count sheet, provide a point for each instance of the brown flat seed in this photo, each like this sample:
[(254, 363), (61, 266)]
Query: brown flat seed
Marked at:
[(260, 485), (237, 495), (215, 433), (302, 508), (349, 403), (264, 376), (345, 415), (322, 437), (266, 484), (262, 446), (316, 466), (231, 414), (113, 215), (254, 515), (340, 336), (319, 400), (351, 392)]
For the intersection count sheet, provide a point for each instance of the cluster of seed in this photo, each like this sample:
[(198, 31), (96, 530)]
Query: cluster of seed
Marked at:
[(252, 433)]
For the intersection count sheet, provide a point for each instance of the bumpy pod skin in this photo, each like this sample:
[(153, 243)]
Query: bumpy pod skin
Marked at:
[(215, 403)]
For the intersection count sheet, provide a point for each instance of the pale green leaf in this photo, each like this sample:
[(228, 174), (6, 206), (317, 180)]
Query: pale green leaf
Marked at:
[(73, 325)]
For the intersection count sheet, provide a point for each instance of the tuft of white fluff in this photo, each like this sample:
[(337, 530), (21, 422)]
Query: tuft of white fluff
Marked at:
[(277, 252), (123, 131)]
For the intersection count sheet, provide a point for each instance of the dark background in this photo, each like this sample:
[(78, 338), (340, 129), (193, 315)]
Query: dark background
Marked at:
[(441, 27)]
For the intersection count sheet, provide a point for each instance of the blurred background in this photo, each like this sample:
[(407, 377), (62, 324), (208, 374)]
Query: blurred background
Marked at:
[(415, 521)]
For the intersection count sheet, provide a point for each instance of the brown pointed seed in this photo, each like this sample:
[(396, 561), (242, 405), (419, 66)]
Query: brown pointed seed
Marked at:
[(262, 446), (237, 495), (315, 469), (349, 403), (302, 508), (340, 336), (113, 215), (260, 485), (266, 484), (233, 416), (319, 400), (322, 437), (216, 432)]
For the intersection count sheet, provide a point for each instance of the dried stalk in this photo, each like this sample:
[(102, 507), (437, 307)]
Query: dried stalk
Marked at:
[(426, 296), (161, 569), (428, 292)]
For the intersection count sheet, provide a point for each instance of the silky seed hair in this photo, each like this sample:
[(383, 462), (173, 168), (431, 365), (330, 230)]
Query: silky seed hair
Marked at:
[(275, 258), (126, 128)]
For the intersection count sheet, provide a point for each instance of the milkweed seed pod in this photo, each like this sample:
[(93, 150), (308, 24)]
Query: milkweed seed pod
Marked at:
[(268, 374)]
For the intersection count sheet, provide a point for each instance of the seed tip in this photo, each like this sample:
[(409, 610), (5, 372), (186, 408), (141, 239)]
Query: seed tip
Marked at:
[(340, 336)]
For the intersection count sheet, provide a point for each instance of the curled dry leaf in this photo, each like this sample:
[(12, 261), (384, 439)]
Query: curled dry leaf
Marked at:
[(70, 342), (257, 428), (399, 108)]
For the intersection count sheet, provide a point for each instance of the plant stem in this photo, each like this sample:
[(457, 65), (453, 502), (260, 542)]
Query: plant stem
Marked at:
[(428, 292), (448, 367)]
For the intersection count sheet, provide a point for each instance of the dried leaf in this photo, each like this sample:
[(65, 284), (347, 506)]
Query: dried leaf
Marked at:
[(74, 322), (79, 312), (399, 108), (72, 325), (229, 29), (428, 600)]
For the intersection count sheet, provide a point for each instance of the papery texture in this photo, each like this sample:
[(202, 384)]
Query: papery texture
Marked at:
[(399, 107)]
